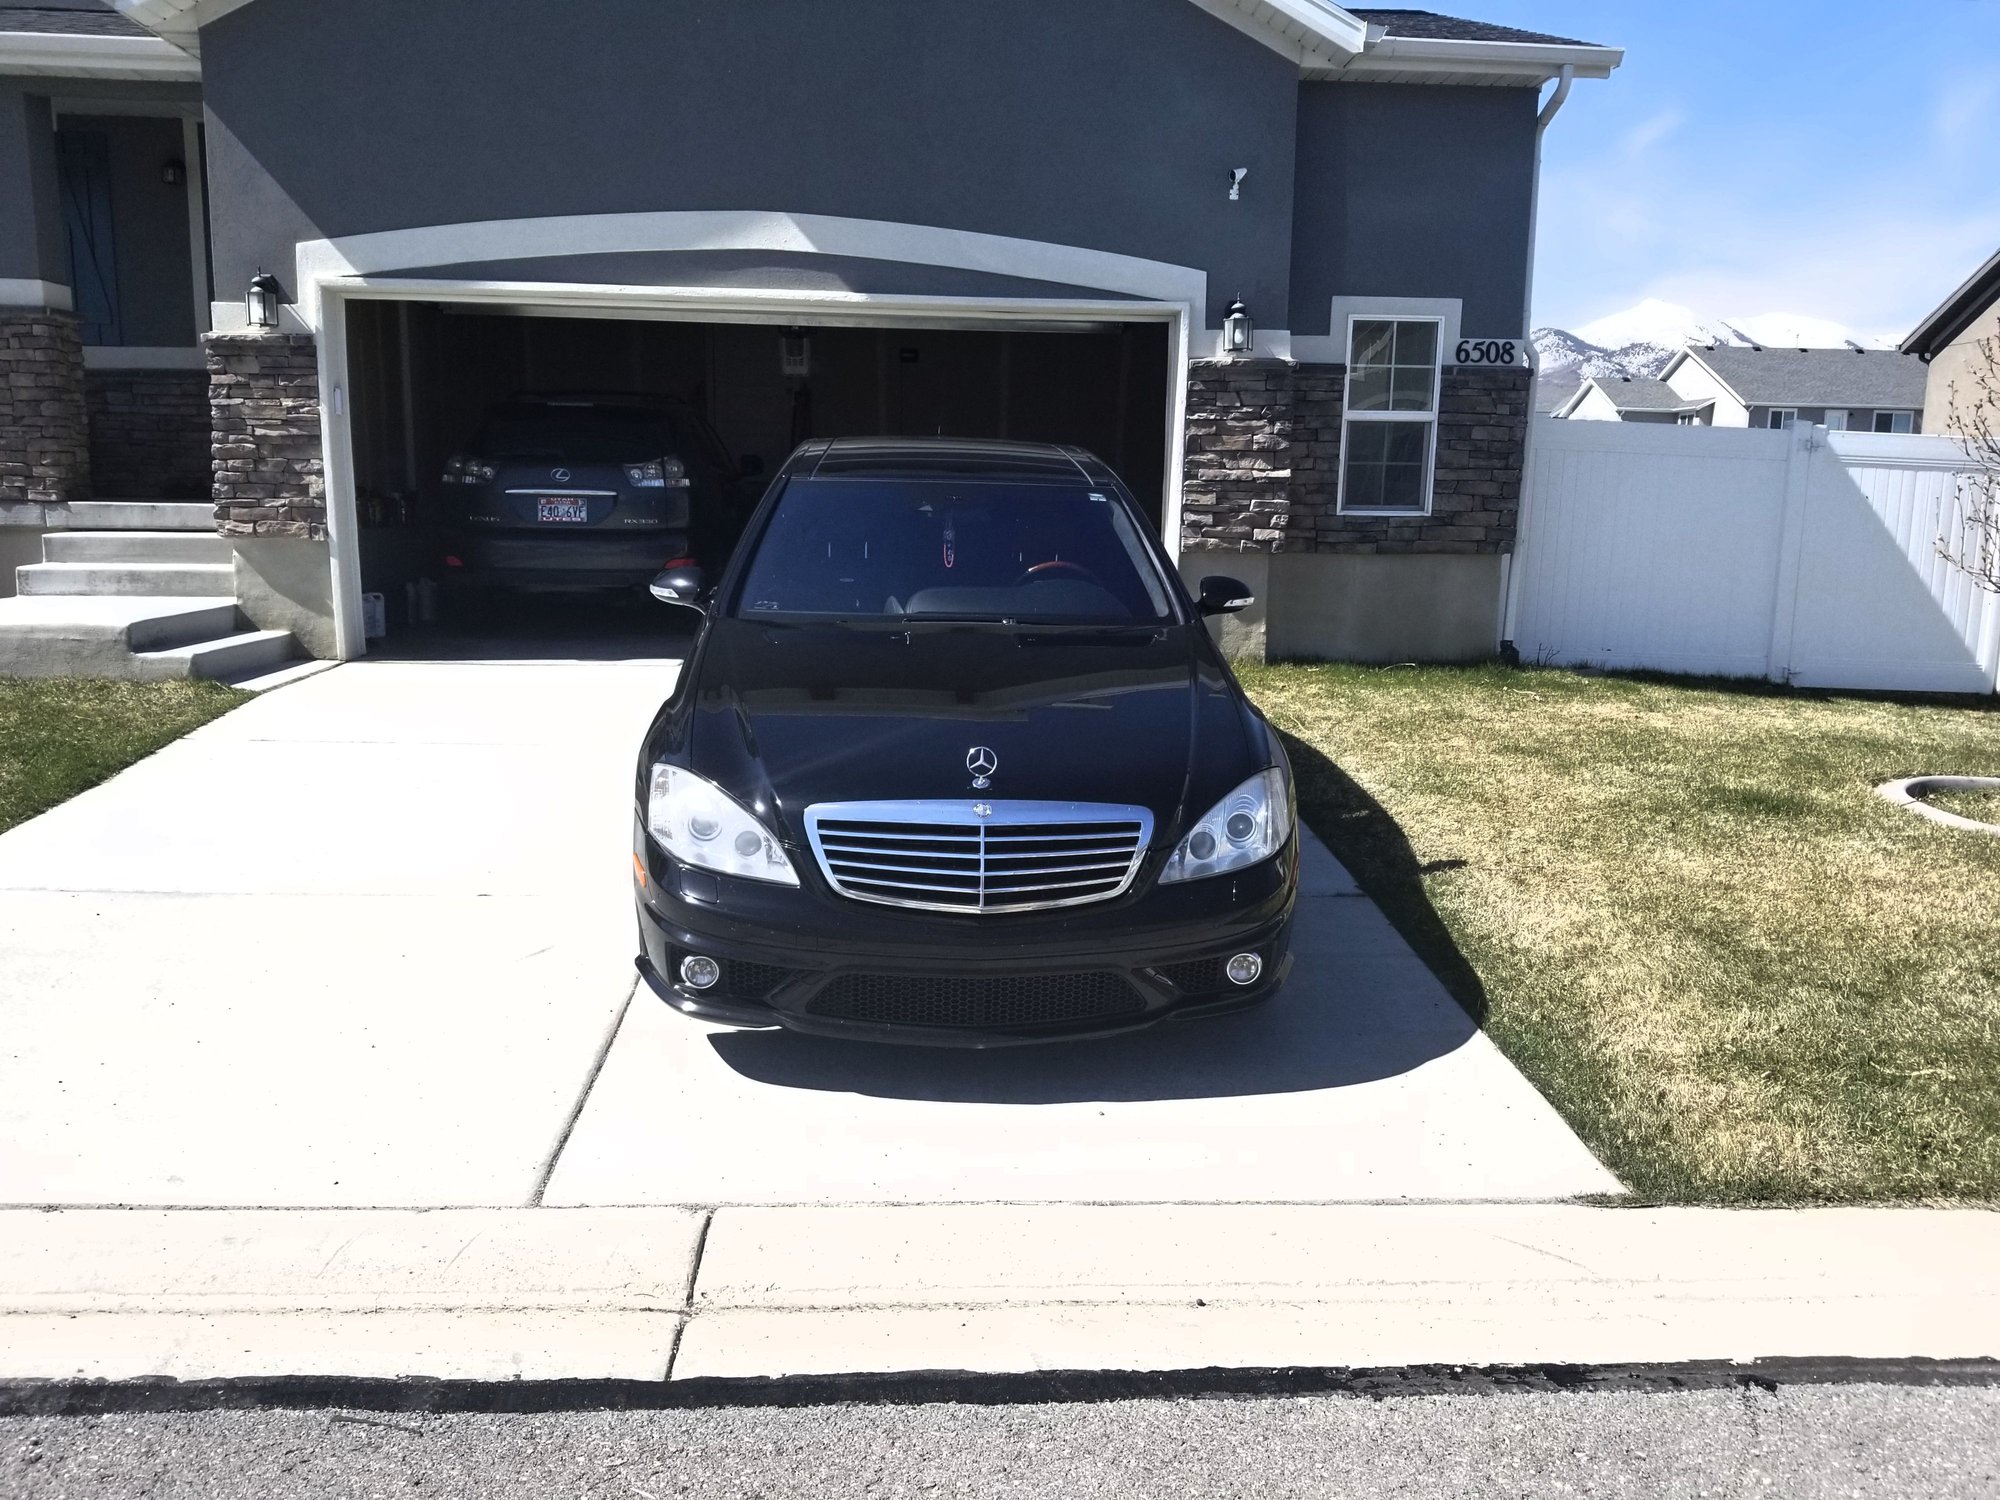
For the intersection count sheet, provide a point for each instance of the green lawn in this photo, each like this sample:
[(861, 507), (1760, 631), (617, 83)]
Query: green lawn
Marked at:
[(59, 735), (1681, 909)]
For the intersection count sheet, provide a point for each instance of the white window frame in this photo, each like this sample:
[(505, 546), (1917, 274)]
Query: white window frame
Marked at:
[(1349, 417), (1845, 414), (1909, 421), (1773, 416)]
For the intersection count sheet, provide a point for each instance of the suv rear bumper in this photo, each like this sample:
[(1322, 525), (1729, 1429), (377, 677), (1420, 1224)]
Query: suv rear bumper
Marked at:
[(581, 559)]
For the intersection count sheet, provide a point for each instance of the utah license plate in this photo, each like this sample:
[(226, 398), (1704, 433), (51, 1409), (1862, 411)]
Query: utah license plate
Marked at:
[(550, 508)]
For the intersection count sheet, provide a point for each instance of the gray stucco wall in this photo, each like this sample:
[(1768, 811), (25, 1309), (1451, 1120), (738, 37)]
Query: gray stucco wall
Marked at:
[(31, 232), (1112, 125), (1407, 190)]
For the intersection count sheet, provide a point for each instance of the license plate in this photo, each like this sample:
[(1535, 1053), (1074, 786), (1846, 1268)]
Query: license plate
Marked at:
[(550, 508)]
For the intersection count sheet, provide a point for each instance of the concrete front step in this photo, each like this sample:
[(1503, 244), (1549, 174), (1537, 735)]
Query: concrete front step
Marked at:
[(244, 654), (128, 637), (144, 579), (135, 546), (142, 515)]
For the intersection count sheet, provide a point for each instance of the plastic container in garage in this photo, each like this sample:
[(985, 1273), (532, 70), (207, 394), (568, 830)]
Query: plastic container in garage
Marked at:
[(374, 616)]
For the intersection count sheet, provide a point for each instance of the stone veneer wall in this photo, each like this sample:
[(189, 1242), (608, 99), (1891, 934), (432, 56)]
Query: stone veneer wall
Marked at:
[(270, 476), (44, 428), (149, 433), (1263, 463)]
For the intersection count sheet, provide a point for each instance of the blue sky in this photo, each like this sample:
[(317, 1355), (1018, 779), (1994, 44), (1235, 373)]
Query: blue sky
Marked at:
[(1823, 157)]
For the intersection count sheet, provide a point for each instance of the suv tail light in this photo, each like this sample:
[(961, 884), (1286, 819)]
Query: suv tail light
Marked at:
[(661, 474)]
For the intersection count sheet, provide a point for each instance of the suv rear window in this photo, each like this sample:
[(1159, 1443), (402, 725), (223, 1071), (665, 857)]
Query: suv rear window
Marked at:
[(578, 434), (949, 550)]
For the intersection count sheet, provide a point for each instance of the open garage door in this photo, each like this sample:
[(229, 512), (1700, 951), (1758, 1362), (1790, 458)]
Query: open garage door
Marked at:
[(431, 382)]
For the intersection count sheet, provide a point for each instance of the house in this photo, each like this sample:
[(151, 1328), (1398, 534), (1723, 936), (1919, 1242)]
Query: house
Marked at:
[(1863, 390), (1959, 345), (1629, 398), (1023, 218), (1728, 385)]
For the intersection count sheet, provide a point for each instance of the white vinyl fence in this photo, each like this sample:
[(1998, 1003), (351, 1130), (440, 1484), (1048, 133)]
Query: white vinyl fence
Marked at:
[(1804, 556)]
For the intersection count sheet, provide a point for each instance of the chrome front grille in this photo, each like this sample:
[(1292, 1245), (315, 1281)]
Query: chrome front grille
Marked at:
[(952, 856)]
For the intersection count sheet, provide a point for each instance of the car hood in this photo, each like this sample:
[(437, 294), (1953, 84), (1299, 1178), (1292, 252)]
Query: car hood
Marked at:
[(784, 716)]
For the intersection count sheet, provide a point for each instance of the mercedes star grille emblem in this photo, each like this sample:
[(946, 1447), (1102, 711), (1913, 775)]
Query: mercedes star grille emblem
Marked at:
[(982, 763)]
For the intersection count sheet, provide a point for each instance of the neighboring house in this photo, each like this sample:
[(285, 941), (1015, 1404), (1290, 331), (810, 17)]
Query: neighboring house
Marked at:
[(1860, 390), (1957, 343), (1628, 398), (1020, 218)]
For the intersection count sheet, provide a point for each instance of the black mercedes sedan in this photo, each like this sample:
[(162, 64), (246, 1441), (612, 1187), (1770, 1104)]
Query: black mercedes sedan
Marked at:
[(954, 761)]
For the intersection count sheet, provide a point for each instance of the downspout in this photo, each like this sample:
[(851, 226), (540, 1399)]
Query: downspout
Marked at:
[(1510, 585)]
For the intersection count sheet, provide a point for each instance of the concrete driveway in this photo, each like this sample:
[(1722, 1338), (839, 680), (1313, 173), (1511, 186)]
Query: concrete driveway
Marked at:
[(366, 941)]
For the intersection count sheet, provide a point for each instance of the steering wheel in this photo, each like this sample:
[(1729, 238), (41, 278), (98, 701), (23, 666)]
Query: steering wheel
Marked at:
[(1057, 565)]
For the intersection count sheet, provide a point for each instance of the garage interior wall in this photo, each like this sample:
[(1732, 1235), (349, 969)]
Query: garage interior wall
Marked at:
[(423, 374)]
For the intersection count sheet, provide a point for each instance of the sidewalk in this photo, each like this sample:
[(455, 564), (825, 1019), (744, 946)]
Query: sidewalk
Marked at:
[(679, 1294)]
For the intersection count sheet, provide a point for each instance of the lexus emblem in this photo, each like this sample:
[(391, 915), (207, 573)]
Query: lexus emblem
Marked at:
[(982, 763), (560, 476)]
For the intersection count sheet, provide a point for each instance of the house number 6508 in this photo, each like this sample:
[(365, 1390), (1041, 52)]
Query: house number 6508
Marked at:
[(1488, 352)]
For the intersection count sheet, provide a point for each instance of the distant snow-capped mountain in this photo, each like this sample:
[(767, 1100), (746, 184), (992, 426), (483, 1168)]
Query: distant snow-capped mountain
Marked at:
[(1640, 341)]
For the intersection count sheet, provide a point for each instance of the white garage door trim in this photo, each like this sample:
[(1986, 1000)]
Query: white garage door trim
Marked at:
[(329, 297), (405, 250)]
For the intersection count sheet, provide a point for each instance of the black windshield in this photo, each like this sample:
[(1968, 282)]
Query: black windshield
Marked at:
[(946, 550)]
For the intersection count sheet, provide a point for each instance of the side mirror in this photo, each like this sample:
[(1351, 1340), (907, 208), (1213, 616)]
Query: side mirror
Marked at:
[(750, 466), (1223, 596), (683, 585)]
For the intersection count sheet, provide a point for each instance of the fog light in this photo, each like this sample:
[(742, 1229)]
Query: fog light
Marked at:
[(699, 973), (1242, 969)]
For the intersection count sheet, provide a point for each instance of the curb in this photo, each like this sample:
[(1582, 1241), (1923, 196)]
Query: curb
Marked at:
[(962, 1387)]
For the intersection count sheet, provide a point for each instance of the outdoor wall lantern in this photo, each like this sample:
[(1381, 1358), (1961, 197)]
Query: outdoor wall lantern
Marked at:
[(262, 300), (1239, 334)]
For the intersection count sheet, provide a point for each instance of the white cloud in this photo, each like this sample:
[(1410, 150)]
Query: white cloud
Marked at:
[(1878, 274), (1963, 116), (1647, 134)]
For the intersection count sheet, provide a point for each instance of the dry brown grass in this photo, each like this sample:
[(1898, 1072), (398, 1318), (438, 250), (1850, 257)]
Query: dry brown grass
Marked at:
[(1681, 909), (1981, 807)]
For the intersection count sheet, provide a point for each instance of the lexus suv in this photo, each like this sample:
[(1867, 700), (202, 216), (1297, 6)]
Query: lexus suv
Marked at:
[(588, 492), (953, 760)]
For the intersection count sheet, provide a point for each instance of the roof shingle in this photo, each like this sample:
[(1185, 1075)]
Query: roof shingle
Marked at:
[(1634, 393), (1428, 25), (66, 18), (1880, 379)]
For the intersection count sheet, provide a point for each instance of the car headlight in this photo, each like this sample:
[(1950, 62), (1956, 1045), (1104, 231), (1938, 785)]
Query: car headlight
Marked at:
[(700, 824), (1250, 824)]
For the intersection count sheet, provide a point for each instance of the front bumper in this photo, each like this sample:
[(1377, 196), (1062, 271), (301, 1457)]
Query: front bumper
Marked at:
[(811, 961)]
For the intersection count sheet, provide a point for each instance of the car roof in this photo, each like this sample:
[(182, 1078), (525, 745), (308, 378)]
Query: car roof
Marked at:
[(948, 458)]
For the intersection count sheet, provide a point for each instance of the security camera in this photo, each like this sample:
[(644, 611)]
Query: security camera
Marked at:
[(1236, 176)]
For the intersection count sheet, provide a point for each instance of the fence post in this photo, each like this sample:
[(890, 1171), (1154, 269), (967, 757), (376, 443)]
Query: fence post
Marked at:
[(1807, 442)]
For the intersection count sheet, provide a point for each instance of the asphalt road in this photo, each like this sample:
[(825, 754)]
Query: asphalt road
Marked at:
[(1799, 1442)]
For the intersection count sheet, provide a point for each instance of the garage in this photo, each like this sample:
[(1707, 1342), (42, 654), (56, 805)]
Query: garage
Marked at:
[(427, 377)]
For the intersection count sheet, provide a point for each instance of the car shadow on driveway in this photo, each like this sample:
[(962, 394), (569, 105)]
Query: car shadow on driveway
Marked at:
[(1377, 853), (1360, 1005), (1333, 1026)]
